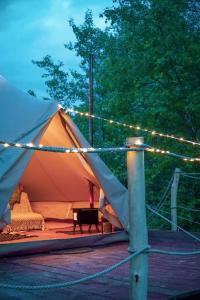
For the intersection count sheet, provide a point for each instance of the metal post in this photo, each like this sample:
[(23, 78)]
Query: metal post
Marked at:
[(138, 235), (174, 190), (91, 99)]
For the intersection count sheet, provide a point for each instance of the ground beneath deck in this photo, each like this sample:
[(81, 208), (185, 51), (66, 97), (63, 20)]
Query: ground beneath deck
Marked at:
[(168, 275)]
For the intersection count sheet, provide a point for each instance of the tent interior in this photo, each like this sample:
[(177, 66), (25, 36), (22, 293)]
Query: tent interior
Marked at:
[(56, 184)]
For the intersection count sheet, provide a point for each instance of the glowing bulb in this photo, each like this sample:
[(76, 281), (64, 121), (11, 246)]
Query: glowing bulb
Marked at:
[(69, 110), (6, 145), (29, 145), (18, 145), (138, 142)]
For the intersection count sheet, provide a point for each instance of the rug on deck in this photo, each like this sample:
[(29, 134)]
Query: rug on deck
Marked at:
[(4, 237)]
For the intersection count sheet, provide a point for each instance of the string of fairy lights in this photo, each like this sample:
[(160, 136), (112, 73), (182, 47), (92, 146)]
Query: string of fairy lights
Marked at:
[(137, 146), (132, 126)]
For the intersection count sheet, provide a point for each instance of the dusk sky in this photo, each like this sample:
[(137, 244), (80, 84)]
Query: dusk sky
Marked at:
[(30, 29)]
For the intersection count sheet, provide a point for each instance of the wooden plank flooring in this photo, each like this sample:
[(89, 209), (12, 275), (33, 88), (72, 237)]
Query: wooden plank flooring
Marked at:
[(168, 275)]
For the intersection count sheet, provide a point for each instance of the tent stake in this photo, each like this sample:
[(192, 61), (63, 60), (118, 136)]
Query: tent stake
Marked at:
[(138, 236)]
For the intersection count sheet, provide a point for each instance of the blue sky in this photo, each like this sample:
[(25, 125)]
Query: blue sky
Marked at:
[(30, 29)]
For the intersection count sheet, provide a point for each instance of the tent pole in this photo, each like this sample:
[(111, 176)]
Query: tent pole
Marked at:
[(91, 98), (138, 235), (91, 188)]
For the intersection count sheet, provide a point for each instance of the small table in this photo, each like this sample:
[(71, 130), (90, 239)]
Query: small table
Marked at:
[(88, 216)]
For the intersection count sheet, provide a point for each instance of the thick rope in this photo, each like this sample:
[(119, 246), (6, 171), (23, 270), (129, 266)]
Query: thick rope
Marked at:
[(162, 200), (137, 147), (174, 252), (169, 221), (160, 204), (184, 173), (189, 220), (190, 176), (189, 209), (179, 217), (96, 275), (73, 282)]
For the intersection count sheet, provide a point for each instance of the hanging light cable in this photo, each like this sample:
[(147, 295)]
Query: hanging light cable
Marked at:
[(132, 126)]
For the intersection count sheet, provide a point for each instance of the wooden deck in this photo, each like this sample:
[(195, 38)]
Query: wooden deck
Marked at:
[(168, 275)]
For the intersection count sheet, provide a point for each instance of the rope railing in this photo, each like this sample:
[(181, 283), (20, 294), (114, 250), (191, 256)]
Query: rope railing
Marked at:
[(189, 220), (190, 176), (169, 221), (166, 193), (98, 274), (77, 281), (165, 252), (162, 200), (134, 147), (185, 173), (179, 217), (189, 209)]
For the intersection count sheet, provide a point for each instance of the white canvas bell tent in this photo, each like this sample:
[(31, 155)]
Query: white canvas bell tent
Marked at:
[(48, 177)]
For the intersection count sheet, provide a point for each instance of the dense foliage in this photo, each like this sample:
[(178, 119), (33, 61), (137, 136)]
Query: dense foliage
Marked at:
[(146, 72)]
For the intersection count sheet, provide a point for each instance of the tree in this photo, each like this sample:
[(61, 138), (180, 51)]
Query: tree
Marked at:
[(146, 72)]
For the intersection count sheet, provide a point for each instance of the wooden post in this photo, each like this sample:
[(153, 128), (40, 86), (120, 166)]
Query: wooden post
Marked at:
[(174, 190), (138, 235), (91, 99)]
